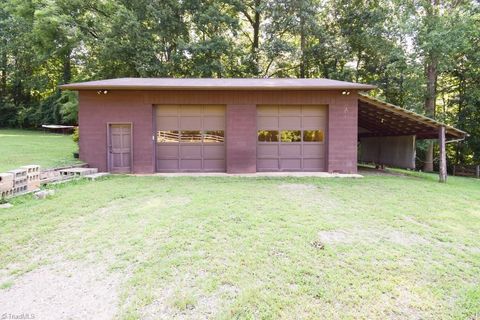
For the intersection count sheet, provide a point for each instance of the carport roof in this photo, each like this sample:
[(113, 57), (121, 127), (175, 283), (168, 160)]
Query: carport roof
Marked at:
[(384, 119), (216, 84)]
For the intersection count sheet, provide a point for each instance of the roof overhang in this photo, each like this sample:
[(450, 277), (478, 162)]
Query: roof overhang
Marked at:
[(216, 84), (379, 118)]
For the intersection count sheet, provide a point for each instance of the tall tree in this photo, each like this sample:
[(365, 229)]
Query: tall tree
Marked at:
[(253, 12), (431, 21)]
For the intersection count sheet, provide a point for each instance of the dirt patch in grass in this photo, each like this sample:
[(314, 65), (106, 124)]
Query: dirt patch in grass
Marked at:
[(161, 203), (335, 236), (308, 196), (370, 236), (297, 187), (416, 222), (404, 304), (183, 298), (370, 171), (67, 290)]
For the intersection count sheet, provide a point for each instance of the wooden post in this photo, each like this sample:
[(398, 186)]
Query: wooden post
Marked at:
[(477, 171), (443, 155)]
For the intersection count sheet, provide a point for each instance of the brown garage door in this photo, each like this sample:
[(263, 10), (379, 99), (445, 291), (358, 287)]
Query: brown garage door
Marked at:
[(291, 138), (190, 138)]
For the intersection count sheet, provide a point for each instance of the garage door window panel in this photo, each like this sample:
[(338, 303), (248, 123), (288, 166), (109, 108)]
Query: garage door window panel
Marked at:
[(168, 136), (291, 136), (313, 136), (191, 136), (214, 136), (268, 135)]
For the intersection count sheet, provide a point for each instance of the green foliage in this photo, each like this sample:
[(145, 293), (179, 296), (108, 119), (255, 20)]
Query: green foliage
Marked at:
[(388, 43), (76, 135), (68, 104)]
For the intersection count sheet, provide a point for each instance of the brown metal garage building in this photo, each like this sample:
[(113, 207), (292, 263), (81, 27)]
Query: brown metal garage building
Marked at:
[(233, 125)]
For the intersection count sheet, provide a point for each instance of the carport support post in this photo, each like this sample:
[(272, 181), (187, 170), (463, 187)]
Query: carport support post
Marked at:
[(443, 156)]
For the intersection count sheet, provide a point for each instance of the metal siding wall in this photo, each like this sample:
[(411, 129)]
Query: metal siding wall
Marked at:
[(393, 151)]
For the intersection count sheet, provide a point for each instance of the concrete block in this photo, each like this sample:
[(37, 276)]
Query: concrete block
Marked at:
[(20, 182), (44, 194), (19, 190), (33, 185), (31, 169), (78, 172), (6, 181), (18, 173), (6, 193), (95, 176), (50, 175)]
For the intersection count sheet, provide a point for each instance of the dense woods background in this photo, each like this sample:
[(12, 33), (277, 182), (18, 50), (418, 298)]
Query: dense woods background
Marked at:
[(423, 55)]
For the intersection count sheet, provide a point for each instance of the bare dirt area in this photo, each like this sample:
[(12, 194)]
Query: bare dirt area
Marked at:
[(63, 290), (371, 171), (307, 196), (182, 299), (369, 236)]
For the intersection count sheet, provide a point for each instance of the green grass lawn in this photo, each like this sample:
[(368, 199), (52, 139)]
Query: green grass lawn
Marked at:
[(24, 147), (381, 247)]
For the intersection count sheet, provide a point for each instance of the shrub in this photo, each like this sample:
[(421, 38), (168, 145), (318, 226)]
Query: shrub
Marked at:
[(75, 135)]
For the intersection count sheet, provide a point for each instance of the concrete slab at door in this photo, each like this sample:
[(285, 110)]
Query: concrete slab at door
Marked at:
[(291, 137), (120, 148), (190, 138)]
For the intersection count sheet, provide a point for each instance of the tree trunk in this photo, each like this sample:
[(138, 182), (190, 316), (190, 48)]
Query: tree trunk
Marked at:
[(67, 67), (442, 170), (256, 36), (3, 75), (431, 77), (357, 67), (460, 115), (430, 103), (302, 44)]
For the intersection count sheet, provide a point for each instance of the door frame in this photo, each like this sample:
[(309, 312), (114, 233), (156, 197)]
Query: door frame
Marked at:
[(109, 124)]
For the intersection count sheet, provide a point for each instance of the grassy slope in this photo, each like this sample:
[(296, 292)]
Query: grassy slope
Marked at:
[(24, 147), (395, 247)]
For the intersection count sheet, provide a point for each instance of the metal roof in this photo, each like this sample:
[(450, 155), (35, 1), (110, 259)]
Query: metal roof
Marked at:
[(384, 119), (216, 84)]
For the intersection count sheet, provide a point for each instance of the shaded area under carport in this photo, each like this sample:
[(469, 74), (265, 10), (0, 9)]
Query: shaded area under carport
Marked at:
[(387, 133)]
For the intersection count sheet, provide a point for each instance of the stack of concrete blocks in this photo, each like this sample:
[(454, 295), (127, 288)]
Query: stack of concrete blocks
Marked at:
[(20, 181), (6, 185), (48, 176), (33, 177), (77, 172)]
